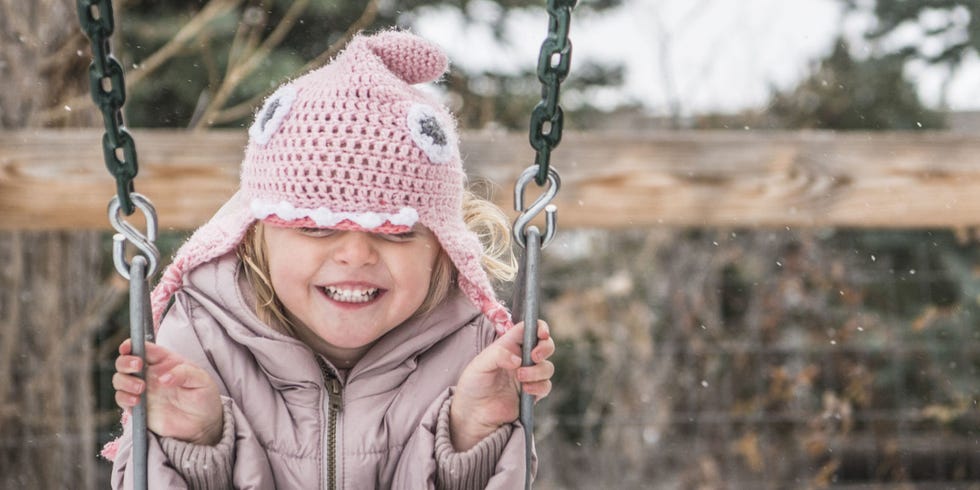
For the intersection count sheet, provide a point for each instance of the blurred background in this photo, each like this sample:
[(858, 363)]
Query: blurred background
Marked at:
[(746, 318)]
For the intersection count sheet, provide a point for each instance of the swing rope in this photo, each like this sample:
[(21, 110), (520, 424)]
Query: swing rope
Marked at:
[(546, 123), (119, 151)]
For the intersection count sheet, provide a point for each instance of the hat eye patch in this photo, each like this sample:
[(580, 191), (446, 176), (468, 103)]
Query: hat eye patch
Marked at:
[(429, 126), (268, 113), (430, 134), (272, 115)]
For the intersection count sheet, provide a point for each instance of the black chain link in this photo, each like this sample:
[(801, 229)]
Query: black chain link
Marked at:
[(553, 64), (109, 93), (546, 125)]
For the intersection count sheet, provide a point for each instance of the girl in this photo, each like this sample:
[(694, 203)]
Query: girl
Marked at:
[(333, 325)]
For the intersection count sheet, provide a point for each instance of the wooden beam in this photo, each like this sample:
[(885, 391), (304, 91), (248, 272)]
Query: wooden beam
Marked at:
[(56, 179)]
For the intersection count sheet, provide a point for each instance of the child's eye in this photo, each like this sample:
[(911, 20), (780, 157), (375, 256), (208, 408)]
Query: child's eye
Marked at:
[(399, 237), (316, 232)]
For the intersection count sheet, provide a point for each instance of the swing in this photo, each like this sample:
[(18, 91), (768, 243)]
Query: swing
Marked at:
[(107, 88)]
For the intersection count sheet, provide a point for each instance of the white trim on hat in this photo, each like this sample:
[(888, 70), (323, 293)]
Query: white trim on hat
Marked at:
[(406, 216)]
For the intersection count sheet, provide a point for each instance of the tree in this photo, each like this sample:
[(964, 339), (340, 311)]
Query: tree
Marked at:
[(845, 93), (195, 64), (953, 24), (948, 30)]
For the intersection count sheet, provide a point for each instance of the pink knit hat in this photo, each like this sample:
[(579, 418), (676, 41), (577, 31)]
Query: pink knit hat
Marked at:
[(352, 146)]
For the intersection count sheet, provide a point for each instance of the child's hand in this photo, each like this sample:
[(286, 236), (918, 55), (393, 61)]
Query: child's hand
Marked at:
[(487, 394), (182, 401)]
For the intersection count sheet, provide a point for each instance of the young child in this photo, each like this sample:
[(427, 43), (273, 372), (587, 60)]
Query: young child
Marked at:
[(333, 325)]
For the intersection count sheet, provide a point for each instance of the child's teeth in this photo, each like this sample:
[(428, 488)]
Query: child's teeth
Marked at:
[(350, 295)]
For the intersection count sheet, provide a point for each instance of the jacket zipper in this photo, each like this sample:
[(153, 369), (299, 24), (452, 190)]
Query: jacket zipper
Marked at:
[(335, 404)]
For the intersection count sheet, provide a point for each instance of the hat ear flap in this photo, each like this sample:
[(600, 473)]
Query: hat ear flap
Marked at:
[(409, 57)]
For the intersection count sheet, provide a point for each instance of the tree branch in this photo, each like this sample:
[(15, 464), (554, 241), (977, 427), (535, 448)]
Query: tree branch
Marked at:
[(187, 33), (252, 62), (244, 109)]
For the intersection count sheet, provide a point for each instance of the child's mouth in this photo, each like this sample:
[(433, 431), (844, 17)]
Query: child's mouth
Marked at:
[(351, 295)]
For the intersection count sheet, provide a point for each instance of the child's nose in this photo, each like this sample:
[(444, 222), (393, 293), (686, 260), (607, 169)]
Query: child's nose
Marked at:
[(355, 248)]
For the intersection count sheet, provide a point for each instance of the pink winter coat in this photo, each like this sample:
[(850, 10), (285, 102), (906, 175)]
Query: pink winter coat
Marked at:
[(291, 421)]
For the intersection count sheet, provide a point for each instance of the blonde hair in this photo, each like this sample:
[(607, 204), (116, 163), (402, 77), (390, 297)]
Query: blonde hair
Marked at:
[(481, 216)]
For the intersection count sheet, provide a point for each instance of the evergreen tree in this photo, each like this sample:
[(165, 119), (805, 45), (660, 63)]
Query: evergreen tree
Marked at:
[(953, 25), (938, 32), (847, 94)]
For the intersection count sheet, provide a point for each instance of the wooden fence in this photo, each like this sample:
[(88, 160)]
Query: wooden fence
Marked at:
[(54, 189), (56, 180)]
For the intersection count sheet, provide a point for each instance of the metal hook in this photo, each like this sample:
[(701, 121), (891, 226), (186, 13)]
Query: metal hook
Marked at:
[(542, 203), (128, 233)]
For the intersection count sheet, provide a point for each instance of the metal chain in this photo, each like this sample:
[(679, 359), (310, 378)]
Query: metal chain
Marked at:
[(119, 150), (546, 126), (109, 93), (554, 61)]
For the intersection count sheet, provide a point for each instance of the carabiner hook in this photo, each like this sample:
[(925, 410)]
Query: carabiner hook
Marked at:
[(543, 202), (128, 233)]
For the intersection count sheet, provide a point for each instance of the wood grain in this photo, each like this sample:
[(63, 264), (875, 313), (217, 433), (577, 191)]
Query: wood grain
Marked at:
[(56, 179)]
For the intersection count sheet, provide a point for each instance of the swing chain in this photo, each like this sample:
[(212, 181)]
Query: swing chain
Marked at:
[(554, 61), (545, 134), (547, 119), (119, 150), (108, 90)]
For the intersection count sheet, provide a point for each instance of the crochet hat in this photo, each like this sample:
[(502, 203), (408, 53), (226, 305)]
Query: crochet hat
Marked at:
[(352, 146)]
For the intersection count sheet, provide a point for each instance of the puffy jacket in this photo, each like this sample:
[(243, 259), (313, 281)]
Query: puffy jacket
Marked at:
[(293, 421)]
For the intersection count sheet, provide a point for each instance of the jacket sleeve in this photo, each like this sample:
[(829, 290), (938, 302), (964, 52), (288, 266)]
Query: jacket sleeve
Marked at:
[(205, 467), (160, 473), (238, 460), (430, 461)]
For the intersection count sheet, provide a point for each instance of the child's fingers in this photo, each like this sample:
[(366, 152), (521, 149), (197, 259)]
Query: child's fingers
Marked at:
[(128, 364), (538, 389), (184, 375), (155, 354), (126, 400), (495, 357), (511, 339), (537, 372), (128, 384), (544, 331), (128, 389), (544, 350)]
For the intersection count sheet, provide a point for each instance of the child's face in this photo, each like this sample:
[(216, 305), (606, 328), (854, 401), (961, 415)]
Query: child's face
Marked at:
[(348, 288)]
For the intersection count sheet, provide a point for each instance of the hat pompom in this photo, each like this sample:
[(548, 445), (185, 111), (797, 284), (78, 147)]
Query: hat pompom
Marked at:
[(409, 57)]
